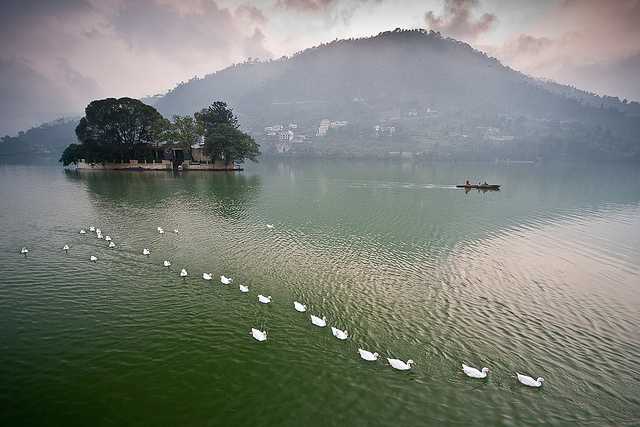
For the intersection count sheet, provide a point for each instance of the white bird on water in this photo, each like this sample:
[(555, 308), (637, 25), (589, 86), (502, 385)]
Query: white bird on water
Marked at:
[(161, 231), (299, 307), (206, 276), (107, 238), (112, 245), (146, 252), (175, 231), (82, 231), (166, 263), (183, 273), (244, 289), (159, 228), (263, 299), (528, 381), (340, 334), (92, 229), (367, 355), (225, 280), (98, 231), (65, 248), (318, 321), (400, 365), (258, 334), (93, 258), (24, 251), (269, 226), (99, 235), (475, 373)]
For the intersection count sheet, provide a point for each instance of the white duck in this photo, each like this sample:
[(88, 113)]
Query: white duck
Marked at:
[(367, 355), (225, 280), (340, 334), (244, 289), (475, 373), (269, 226), (299, 307), (318, 321), (206, 276), (400, 365), (65, 248), (161, 231), (82, 231), (166, 263), (98, 231), (146, 252), (92, 229), (93, 258), (258, 334), (107, 238), (183, 273), (175, 231), (159, 228), (99, 235), (112, 245), (24, 251), (263, 299), (528, 381)]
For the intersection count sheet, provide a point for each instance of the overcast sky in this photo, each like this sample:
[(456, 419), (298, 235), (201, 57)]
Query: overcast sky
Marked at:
[(56, 55)]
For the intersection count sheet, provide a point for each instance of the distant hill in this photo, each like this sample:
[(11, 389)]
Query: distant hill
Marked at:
[(408, 93), (44, 142), (436, 92)]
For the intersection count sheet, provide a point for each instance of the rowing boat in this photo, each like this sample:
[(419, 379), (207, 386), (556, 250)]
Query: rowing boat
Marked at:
[(480, 187)]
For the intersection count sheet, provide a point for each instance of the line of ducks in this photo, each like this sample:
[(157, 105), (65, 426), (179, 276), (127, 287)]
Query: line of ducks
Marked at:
[(321, 322)]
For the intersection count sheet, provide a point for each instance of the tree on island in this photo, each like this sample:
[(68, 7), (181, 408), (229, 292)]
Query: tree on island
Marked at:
[(185, 132), (223, 139), (117, 130), (125, 129)]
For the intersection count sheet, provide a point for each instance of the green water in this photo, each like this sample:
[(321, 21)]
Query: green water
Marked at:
[(542, 278)]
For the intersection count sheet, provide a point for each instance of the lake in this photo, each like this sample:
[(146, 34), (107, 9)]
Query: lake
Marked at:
[(541, 278)]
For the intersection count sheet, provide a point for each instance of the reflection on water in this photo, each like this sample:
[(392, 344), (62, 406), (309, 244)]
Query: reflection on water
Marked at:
[(539, 277)]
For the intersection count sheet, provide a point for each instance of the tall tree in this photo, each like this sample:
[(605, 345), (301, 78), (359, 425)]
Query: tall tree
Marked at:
[(117, 129), (118, 121), (223, 138), (185, 131)]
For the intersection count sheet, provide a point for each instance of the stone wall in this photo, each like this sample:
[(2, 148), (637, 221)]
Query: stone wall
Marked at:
[(131, 165)]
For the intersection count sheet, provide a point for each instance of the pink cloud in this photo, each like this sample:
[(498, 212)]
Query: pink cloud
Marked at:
[(457, 20)]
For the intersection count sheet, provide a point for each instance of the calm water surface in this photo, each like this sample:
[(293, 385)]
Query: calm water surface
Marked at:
[(542, 277)]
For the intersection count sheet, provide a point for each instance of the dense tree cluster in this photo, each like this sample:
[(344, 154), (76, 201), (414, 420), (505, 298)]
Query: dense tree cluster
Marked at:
[(119, 130)]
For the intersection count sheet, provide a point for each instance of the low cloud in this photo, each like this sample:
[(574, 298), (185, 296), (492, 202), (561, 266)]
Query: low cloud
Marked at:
[(75, 50), (598, 50), (458, 21), (306, 5)]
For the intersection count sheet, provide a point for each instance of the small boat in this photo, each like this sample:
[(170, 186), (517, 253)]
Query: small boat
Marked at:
[(479, 187)]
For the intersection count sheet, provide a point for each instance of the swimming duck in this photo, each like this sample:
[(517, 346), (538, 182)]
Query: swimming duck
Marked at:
[(400, 365), (475, 373), (530, 382)]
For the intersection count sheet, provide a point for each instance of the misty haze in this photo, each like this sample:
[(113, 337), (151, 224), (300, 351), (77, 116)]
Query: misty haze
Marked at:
[(320, 212)]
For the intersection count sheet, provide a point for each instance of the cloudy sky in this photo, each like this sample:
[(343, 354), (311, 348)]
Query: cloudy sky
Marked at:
[(55, 55)]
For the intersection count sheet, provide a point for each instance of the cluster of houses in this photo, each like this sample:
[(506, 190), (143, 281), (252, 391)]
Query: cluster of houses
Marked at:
[(284, 137), (327, 124), (382, 130)]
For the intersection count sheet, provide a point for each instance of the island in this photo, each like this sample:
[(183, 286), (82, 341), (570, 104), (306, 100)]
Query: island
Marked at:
[(127, 134)]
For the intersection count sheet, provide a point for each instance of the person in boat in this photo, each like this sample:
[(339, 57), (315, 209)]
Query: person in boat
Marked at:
[(467, 183), (485, 183)]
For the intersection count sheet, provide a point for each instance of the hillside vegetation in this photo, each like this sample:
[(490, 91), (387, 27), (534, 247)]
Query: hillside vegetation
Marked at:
[(411, 93)]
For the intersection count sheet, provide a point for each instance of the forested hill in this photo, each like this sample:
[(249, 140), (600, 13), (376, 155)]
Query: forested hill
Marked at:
[(408, 93), (44, 142), (386, 78)]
